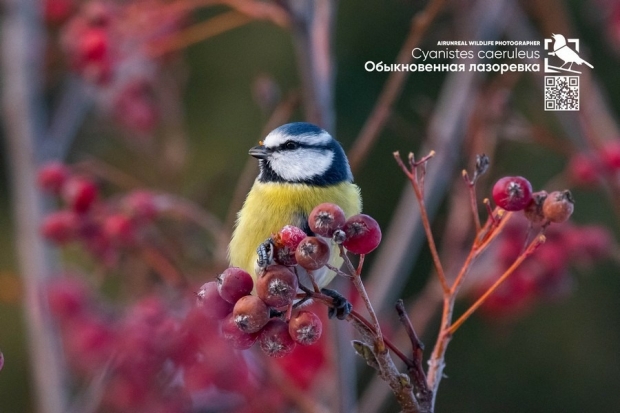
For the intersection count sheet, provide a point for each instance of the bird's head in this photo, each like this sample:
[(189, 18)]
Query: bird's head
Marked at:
[(301, 153)]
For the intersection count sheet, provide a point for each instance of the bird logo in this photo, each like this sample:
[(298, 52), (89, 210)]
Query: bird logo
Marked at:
[(562, 50)]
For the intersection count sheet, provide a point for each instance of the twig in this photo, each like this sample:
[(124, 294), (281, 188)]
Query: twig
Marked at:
[(162, 266), (530, 249), (418, 189), (393, 86)]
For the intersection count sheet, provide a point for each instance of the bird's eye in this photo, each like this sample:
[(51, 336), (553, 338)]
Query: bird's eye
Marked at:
[(290, 145)]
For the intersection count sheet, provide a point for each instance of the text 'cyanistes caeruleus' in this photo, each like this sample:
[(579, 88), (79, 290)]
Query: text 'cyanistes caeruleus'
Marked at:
[(301, 166)]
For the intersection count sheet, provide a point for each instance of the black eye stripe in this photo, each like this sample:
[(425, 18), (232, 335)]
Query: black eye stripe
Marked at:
[(283, 147)]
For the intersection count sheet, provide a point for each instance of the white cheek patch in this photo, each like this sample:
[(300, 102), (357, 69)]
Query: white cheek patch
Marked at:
[(277, 138), (301, 164)]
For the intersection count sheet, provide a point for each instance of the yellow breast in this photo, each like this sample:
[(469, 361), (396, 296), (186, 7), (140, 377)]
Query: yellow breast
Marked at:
[(270, 206)]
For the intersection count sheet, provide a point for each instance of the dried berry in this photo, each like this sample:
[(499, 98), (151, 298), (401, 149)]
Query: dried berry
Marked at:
[(558, 206), (275, 339), (533, 212), (363, 234), (512, 193), (209, 300), (239, 339), (277, 286), (234, 283), (325, 219), (312, 253), (305, 328), (52, 176), (250, 314)]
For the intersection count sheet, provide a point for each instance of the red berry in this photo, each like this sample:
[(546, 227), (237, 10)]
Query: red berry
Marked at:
[(209, 300), (94, 44), (305, 328), (250, 314), (558, 206), (277, 286), (80, 194), (325, 219), (52, 176), (234, 283), (60, 227), (120, 229), (512, 193), (57, 11), (363, 234), (533, 211), (275, 339), (312, 253), (239, 339)]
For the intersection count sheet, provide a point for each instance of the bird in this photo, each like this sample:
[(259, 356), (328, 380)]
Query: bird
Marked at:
[(300, 166), (561, 50)]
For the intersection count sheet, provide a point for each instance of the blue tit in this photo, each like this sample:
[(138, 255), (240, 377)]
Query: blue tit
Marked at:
[(301, 166)]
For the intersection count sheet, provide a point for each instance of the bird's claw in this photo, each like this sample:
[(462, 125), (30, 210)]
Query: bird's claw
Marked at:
[(341, 307), (265, 253)]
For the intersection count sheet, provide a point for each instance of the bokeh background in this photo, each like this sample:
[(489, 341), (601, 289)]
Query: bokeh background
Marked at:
[(558, 355)]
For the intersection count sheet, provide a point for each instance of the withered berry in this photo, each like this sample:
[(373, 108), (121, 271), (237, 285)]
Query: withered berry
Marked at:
[(277, 286), (534, 210), (250, 314), (305, 328), (275, 339), (558, 206), (312, 253)]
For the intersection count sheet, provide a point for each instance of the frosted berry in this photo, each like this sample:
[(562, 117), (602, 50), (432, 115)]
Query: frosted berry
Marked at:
[(363, 234), (234, 283), (325, 219), (80, 194), (534, 212), (209, 300), (285, 243), (275, 339), (512, 193), (305, 328), (119, 229), (52, 176), (312, 253), (558, 206), (60, 227), (250, 314), (239, 339), (277, 286)]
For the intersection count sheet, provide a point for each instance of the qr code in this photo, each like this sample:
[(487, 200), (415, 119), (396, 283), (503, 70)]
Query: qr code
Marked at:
[(561, 92)]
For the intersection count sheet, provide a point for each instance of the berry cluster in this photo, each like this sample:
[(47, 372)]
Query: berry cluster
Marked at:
[(103, 228), (586, 168), (514, 193), (269, 317)]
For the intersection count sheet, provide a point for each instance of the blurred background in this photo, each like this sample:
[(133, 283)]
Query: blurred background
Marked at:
[(168, 96)]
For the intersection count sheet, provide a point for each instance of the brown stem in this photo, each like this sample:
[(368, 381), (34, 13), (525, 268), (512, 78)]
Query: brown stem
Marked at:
[(530, 249), (163, 266), (471, 187)]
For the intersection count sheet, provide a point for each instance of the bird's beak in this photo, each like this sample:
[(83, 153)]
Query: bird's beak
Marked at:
[(259, 152)]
